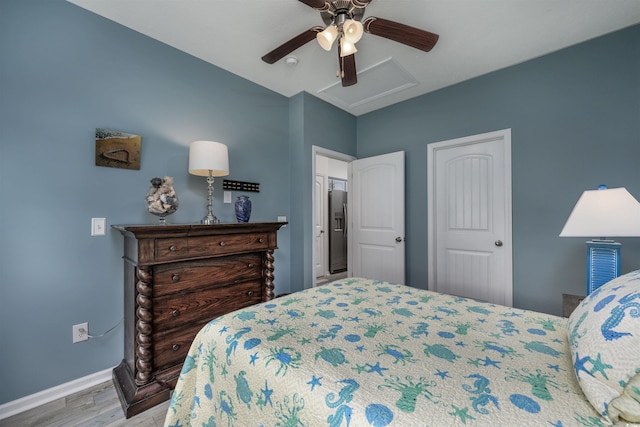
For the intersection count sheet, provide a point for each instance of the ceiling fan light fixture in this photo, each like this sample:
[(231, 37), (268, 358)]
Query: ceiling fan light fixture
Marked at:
[(327, 36), (347, 47), (352, 30)]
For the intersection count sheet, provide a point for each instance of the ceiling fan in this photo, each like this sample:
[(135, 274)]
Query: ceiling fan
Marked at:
[(343, 21)]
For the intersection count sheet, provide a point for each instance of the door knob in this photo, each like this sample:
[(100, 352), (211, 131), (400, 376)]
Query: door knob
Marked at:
[(498, 243), (398, 239)]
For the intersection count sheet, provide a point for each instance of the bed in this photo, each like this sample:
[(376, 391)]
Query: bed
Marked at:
[(358, 352)]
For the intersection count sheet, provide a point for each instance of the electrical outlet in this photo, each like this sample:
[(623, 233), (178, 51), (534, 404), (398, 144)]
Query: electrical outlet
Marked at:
[(80, 332)]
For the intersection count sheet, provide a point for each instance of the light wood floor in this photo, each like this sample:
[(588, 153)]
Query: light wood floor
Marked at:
[(95, 406)]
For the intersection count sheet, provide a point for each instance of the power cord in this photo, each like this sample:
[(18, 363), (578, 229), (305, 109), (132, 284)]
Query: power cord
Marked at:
[(83, 332)]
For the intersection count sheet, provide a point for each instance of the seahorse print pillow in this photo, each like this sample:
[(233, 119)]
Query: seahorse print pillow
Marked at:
[(604, 333)]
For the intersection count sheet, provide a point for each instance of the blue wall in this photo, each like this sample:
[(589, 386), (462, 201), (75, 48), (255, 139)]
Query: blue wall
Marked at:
[(314, 122), (575, 122), (65, 71)]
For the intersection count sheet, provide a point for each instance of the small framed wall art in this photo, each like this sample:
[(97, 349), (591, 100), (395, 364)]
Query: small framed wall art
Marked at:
[(115, 149)]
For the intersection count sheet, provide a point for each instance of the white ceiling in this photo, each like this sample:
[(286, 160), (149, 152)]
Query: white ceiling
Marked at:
[(476, 37)]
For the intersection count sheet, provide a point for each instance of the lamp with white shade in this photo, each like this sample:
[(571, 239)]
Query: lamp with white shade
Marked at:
[(606, 212), (210, 159)]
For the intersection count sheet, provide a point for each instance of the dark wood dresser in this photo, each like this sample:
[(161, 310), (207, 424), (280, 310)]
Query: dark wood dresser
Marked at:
[(176, 279)]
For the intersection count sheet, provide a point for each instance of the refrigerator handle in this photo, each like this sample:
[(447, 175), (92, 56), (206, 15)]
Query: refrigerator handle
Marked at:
[(346, 219)]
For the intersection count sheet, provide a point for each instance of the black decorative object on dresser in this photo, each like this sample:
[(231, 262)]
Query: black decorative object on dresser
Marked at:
[(176, 279)]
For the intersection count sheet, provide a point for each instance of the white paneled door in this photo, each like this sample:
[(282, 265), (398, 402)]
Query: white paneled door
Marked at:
[(376, 202), (469, 197)]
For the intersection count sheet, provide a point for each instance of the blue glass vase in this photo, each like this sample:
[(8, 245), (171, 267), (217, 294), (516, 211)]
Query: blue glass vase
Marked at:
[(243, 209)]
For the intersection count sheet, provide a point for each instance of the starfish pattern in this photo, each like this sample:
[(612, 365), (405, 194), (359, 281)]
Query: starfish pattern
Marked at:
[(267, 392), (462, 413), (489, 362), (578, 365), (253, 358), (360, 369), (442, 374), (376, 368), (598, 365), (314, 382)]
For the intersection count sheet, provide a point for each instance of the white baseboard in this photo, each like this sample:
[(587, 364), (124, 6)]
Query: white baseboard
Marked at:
[(45, 396)]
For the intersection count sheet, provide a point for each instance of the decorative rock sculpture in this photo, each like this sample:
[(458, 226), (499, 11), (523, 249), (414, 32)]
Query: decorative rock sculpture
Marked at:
[(162, 199)]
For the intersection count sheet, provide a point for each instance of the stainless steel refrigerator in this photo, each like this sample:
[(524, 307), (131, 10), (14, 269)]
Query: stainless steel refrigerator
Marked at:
[(338, 231)]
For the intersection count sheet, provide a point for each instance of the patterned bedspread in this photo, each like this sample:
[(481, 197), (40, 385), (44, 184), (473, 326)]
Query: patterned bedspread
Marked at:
[(358, 352)]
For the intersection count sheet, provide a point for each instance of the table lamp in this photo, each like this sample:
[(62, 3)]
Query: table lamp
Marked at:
[(605, 212), (210, 159)]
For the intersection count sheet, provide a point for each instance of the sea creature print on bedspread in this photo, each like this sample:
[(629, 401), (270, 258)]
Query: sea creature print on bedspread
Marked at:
[(359, 353)]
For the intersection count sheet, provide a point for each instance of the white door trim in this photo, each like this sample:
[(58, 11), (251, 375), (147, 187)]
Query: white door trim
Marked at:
[(505, 135), (320, 151), (320, 260)]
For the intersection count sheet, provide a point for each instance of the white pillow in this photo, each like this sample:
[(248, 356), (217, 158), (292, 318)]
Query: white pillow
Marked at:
[(604, 333)]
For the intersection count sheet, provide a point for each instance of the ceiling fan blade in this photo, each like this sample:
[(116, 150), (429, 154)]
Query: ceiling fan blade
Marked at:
[(347, 69), (291, 45), (320, 5), (401, 33)]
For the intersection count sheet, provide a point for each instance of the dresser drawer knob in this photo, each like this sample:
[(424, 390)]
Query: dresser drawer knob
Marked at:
[(250, 293), (175, 278), (250, 265), (175, 313), (221, 243), (172, 248), (260, 240), (175, 347)]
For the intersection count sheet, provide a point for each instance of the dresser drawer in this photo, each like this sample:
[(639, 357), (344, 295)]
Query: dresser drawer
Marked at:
[(187, 276), (170, 348), (193, 247), (176, 310)]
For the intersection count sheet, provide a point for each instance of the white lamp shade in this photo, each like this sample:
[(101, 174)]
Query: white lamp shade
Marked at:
[(208, 158), (327, 36), (346, 47), (352, 30), (612, 212)]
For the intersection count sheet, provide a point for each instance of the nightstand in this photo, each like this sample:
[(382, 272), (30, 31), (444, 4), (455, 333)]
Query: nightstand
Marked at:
[(569, 303)]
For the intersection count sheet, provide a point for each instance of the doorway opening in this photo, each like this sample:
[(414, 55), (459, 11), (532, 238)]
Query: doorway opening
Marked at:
[(330, 221)]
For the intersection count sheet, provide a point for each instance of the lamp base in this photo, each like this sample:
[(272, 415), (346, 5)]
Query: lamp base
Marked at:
[(603, 262), (210, 219)]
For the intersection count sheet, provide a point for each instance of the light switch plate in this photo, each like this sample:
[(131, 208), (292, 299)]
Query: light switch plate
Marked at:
[(227, 196), (98, 226)]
